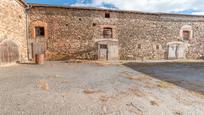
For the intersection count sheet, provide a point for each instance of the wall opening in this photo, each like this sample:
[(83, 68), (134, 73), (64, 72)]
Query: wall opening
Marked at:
[(94, 24), (9, 52), (157, 47), (176, 50), (186, 35), (39, 31), (107, 15), (107, 32), (103, 52), (139, 46)]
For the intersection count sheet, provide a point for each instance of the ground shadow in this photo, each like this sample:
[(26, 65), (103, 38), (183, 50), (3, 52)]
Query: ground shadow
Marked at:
[(187, 75)]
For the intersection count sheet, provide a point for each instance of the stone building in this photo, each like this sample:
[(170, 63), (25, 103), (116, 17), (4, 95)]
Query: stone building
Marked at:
[(13, 42), (89, 33), (63, 33)]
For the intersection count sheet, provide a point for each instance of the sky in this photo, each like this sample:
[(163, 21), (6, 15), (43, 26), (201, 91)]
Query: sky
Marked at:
[(195, 7)]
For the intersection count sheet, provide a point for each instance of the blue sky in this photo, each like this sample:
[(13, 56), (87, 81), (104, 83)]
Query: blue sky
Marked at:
[(168, 6)]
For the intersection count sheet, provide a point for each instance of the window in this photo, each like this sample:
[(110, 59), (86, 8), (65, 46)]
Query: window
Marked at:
[(94, 24), (107, 15), (139, 46), (157, 47), (186, 35), (103, 46), (39, 31), (107, 33)]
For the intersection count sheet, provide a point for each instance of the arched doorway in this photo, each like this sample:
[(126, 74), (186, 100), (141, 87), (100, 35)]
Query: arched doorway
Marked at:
[(9, 52)]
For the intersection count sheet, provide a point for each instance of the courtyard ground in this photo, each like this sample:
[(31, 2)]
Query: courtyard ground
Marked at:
[(132, 88)]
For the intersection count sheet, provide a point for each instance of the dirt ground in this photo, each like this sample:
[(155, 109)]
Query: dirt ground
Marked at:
[(59, 88)]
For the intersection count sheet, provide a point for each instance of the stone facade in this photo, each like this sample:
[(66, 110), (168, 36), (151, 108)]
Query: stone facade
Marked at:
[(13, 25), (76, 33), (86, 33)]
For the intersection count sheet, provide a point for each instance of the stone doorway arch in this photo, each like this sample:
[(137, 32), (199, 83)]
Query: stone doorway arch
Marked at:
[(9, 52)]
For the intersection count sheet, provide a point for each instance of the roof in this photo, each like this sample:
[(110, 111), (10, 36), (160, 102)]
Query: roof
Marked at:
[(23, 2), (109, 10)]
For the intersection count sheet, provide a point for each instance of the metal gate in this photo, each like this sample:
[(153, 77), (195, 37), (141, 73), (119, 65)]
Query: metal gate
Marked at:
[(8, 52)]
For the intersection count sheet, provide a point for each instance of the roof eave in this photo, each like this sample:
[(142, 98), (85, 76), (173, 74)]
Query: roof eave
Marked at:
[(23, 3), (111, 10)]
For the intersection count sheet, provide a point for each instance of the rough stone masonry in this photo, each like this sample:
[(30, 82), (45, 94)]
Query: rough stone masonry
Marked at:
[(63, 33), (73, 32), (12, 29)]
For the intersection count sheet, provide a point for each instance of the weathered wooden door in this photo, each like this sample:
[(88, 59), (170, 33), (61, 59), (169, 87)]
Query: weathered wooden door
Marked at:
[(180, 52), (9, 52), (36, 48), (172, 51), (113, 51), (103, 52), (176, 51)]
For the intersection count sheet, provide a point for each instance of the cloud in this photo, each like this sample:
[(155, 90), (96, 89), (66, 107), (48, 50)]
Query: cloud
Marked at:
[(197, 13), (175, 6)]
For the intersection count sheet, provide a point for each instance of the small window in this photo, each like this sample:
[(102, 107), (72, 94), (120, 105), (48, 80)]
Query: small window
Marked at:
[(20, 16), (103, 46), (186, 35), (107, 15), (107, 33), (39, 31), (94, 24), (139, 46), (157, 47)]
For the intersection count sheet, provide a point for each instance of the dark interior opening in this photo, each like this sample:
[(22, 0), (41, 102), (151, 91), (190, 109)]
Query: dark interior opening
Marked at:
[(186, 35), (107, 33), (40, 31), (107, 15)]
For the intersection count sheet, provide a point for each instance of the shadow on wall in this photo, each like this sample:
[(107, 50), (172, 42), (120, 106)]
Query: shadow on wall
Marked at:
[(187, 75)]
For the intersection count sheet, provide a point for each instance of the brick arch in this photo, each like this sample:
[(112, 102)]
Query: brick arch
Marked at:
[(38, 23)]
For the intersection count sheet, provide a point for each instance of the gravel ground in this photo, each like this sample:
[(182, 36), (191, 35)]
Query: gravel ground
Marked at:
[(59, 88)]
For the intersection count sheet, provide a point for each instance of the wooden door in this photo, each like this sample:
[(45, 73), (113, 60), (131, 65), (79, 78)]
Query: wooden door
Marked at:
[(9, 52), (172, 51), (37, 48), (103, 52), (113, 51), (180, 52)]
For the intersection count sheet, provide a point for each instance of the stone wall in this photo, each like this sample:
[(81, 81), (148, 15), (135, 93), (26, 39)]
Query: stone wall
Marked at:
[(75, 32), (13, 25), (151, 31)]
